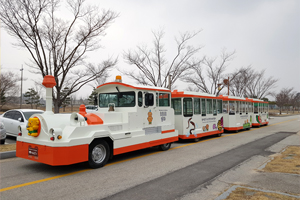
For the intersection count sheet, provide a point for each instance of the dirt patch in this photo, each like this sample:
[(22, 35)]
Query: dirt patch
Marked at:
[(7, 147), (286, 162), (249, 194)]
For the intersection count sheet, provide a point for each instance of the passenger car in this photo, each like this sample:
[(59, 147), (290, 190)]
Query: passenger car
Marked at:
[(13, 118), (2, 133)]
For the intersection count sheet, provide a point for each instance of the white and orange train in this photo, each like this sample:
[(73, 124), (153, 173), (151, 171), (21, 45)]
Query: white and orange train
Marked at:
[(129, 118)]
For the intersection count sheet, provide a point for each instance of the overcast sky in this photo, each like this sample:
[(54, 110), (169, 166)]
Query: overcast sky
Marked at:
[(264, 34)]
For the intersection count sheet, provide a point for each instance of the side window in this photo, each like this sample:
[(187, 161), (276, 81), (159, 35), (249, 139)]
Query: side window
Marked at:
[(225, 107), (237, 103), (176, 105), (197, 105), (18, 115), (255, 107), (214, 106), (209, 106), (219, 106), (187, 107), (140, 99), (9, 115), (164, 100), (149, 99), (231, 107), (203, 107)]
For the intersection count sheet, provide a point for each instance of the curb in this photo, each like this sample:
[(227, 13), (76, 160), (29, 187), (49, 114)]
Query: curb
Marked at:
[(7, 154)]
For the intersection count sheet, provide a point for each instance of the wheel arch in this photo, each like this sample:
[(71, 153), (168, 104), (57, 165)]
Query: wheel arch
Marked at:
[(109, 142)]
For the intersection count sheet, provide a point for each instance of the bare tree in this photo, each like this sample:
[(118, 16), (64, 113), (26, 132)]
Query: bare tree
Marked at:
[(208, 74), (283, 98), (8, 87), (244, 77), (58, 46), (152, 64), (294, 100), (259, 86)]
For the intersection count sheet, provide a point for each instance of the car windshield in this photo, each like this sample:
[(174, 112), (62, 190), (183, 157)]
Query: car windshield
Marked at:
[(28, 114)]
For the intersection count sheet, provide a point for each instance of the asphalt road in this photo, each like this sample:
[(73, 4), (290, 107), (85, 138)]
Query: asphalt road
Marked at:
[(144, 174)]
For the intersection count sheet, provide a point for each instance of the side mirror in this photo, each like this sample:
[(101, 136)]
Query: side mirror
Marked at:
[(20, 119)]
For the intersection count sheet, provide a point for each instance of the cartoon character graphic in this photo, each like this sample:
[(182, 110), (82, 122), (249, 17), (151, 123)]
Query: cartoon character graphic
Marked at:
[(33, 126), (192, 129), (220, 124), (258, 119), (150, 118)]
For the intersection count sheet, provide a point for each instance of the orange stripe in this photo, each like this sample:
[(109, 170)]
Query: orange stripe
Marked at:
[(168, 131), (199, 135), (144, 145)]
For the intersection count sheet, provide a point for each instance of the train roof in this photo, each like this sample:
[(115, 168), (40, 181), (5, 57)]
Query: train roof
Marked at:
[(180, 94)]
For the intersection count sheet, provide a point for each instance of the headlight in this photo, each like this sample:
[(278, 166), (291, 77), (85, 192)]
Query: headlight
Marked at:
[(2, 125)]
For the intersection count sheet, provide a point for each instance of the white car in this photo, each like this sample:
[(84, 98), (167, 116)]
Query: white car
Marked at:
[(2, 133), (13, 118)]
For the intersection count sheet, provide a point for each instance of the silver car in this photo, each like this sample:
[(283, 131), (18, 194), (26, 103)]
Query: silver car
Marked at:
[(13, 118), (2, 133)]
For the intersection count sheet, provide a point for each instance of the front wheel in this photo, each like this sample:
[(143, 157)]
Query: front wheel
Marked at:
[(2, 141), (98, 153), (164, 147)]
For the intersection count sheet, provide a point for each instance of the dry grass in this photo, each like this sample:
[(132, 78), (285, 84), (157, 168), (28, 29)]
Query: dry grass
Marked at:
[(7, 147), (248, 194), (286, 162)]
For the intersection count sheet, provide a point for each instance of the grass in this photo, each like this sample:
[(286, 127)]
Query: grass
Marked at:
[(286, 162), (7, 147), (249, 194)]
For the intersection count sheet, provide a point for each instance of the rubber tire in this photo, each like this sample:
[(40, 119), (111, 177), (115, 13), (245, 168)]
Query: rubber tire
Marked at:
[(102, 144), (197, 139), (165, 147), (2, 141), (219, 134)]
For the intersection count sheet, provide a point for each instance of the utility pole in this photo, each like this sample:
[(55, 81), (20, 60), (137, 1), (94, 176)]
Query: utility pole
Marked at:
[(21, 86)]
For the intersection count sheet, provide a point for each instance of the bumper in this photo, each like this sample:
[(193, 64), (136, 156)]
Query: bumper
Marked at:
[(52, 155)]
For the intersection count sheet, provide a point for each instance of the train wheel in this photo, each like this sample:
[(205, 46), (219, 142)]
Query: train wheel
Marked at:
[(219, 135), (164, 147), (98, 153), (197, 139)]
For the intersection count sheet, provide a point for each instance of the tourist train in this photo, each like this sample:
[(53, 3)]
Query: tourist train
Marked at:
[(131, 117)]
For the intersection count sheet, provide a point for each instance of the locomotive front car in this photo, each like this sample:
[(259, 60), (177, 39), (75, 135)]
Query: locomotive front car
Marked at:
[(128, 118), (237, 113), (197, 114), (260, 114)]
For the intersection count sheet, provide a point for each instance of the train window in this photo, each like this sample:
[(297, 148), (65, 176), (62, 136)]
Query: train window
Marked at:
[(187, 107), (214, 106), (255, 107), (231, 107), (250, 106), (203, 107), (225, 106), (197, 106), (209, 108), (176, 105), (164, 99), (120, 99), (140, 99), (149, 99), (237, 103), (242, 107), (219, 106)]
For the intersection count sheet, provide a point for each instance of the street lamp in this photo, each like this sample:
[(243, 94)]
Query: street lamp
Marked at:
[(21, 86)]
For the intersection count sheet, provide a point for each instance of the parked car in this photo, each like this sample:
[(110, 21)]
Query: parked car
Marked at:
[(2, 133), (13, 118), (91, 108)]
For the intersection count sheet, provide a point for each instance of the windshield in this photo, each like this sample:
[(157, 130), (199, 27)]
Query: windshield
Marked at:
[(120, 99), (28, 114)]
